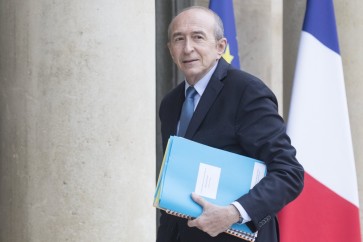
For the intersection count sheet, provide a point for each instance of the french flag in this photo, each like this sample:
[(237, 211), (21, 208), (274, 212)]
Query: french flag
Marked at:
[(318, 124)]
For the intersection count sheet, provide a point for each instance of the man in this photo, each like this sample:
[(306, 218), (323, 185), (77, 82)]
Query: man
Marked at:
[(236, 112)]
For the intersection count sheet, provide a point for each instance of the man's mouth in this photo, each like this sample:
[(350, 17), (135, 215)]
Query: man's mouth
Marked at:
[(189, 61)]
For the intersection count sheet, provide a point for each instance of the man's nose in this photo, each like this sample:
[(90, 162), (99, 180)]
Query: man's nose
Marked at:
[(188, 46)]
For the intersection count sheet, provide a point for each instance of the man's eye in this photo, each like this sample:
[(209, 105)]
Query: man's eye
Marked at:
[(178, 39), (198, 37)]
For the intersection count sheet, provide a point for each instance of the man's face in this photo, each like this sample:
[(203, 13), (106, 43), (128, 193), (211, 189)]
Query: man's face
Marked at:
[(193, 45)]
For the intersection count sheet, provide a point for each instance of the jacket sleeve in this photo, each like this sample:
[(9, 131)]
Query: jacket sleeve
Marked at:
[(262, 133)]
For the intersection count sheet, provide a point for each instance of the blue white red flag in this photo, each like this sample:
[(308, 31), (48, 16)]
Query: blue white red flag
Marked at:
[(318, 124)]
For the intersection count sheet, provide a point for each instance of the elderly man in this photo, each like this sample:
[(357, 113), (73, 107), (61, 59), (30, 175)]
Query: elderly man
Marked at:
[(234, 111)]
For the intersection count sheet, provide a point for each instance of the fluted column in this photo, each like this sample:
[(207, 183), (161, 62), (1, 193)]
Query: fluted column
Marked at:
[(77, 122), (350, 31)]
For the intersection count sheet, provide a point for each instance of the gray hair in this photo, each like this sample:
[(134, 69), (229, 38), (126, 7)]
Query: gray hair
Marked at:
[(218, 27)]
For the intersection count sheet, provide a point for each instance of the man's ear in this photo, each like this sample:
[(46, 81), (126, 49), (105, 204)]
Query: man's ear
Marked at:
[(221, 46)]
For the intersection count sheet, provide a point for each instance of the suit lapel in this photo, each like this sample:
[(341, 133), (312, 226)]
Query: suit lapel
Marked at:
[(209, 96), (175, 113)]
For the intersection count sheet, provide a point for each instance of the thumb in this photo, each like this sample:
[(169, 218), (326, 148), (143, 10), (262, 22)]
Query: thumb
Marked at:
[(198, 199)]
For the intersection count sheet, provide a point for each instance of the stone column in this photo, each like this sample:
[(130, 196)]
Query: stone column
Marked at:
[(259, 30), (293, 20), (350, 31), (77, 123)]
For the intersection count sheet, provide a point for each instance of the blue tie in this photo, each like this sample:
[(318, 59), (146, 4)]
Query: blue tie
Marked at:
[(187, 111)]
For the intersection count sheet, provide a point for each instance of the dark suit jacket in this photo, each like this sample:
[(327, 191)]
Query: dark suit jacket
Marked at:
[(237, 112)]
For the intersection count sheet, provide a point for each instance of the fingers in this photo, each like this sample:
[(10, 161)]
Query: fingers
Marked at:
[(192, 223), (198, 199), (210, 220), (212, 231)]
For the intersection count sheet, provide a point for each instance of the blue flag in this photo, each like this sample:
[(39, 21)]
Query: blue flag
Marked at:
[(224, 9)]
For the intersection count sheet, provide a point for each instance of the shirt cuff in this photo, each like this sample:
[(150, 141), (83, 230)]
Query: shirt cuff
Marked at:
[(246, 218)]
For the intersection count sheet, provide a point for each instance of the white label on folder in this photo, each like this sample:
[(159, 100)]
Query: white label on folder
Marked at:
[(259, 170), (208, 180)]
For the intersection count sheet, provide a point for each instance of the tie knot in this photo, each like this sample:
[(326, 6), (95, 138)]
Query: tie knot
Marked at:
[(191, 92)]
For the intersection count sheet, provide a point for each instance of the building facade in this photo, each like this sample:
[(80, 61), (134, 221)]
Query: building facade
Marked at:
[(80, 86)]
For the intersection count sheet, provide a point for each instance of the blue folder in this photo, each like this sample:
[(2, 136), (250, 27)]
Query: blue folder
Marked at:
[(219, 176)]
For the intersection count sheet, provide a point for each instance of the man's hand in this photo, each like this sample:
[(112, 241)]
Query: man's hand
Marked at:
[(214, 219)]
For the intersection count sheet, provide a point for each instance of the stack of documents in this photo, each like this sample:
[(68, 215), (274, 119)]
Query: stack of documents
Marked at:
[(219, 176)]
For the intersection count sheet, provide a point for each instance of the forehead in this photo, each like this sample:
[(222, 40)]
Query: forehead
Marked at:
[(193, 20)]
